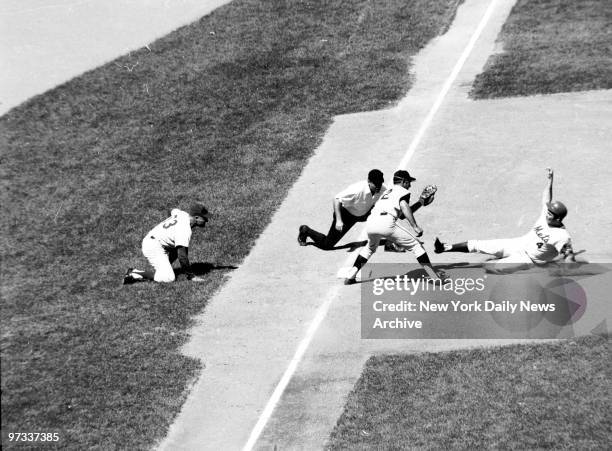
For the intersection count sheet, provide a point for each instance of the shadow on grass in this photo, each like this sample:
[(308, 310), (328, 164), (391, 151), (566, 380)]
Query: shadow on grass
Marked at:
[(203, 268)]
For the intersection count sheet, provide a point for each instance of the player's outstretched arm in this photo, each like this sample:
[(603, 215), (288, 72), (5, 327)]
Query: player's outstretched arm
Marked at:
[(426, 197), (418, 204), (548, 191)]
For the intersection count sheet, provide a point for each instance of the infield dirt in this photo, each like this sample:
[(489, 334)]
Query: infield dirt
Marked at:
[(488, 160)]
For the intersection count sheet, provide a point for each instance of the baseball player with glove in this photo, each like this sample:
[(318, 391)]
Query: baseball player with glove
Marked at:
[(165, 243), (351, 205), (383, 223), (546, 240)]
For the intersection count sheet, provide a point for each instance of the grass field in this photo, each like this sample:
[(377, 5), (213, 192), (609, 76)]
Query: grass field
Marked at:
[(227, 110), (552, 396), (551, 46)]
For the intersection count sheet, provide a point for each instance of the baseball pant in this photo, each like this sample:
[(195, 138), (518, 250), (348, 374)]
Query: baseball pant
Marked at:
[(328, 241), (160, 258), (509, 250), (385, 226)]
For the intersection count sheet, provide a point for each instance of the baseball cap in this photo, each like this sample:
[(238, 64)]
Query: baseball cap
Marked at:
[(376, 177), (402, 175), (198, 209)]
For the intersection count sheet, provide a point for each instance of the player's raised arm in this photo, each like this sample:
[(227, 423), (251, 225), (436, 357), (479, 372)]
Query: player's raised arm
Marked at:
[(547, 195)]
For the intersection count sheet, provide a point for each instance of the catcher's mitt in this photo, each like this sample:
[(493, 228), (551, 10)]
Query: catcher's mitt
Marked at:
[(427, 196)]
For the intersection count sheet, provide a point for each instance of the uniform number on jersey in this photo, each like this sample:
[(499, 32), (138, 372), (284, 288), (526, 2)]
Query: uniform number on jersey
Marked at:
[(540, 244), (167, 224), (386, 195)]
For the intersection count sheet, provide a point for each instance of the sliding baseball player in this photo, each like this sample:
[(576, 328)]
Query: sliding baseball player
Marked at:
[(546, 240)]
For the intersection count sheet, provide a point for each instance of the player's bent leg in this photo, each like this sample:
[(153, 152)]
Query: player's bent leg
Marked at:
[(334, 235), (165, 275), (370, 248), (320, 240), (404, 240), (423, 259), (329, 242), (159, 259), (134, 275), (440, 247), (164, 272), (362, 258)]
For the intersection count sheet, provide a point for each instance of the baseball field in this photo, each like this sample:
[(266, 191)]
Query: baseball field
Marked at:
[(264, 110)]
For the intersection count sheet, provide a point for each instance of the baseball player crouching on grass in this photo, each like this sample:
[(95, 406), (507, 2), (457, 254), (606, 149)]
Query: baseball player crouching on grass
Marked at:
[(547, 239), (351, 205), (166, 242), (383, 223)]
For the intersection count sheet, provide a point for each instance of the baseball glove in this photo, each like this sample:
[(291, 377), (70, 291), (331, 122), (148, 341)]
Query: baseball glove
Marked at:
[(427, 196)]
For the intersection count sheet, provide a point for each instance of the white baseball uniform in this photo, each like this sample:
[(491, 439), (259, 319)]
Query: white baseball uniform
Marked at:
[(382, 223), (163, 239), (542, 244), (357, 198)]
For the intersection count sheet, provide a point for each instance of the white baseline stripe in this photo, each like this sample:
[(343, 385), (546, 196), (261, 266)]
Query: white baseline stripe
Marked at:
[(447, 85), (299, 353), (324, 308), (441, 96)]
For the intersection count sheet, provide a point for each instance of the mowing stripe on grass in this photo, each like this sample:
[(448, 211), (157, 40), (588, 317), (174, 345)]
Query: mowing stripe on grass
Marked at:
[(324, 308), (288, 374), (447, 85)]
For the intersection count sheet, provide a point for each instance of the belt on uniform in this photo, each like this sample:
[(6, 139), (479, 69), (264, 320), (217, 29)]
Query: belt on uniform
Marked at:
[(385, 213)]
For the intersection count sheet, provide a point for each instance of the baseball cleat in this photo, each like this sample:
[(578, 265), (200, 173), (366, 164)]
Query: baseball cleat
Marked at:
[(438, 246), (127, 278), (442, 275), (351, 276), (302, 235)]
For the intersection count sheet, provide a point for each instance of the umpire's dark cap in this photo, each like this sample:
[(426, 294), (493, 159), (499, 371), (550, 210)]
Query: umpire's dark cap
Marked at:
[(376, 177), (401, 176)]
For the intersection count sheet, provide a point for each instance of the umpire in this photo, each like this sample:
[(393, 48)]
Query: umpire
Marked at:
[(351, 205)]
